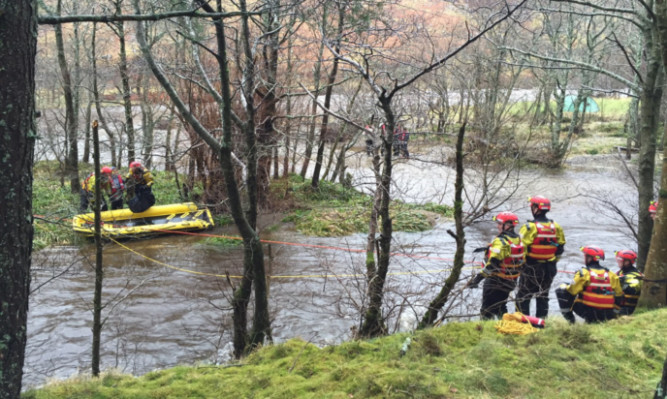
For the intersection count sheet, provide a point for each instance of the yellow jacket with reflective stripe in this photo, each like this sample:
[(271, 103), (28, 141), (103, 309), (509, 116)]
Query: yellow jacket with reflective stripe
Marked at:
[(88, 184), (505, 257), (581, 286), (543, 238), (631, 284)]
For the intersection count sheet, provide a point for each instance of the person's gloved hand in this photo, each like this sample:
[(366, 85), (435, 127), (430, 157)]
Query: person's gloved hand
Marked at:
[(474, 283)]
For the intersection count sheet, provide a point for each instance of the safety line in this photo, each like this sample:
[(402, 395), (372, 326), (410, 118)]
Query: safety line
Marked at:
[(334, 275), (318, 246), (300, 245)]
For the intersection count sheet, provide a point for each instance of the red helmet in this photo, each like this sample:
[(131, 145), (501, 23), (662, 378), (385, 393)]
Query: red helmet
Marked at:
[(627, 254), (106, 170), (542, 203), (506, 217), (653, 207), (595, 252), (135, 164)]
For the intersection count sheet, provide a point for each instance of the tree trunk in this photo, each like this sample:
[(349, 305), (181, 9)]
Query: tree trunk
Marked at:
[(99, 271), (71, 114), (436, 305), (654, 290), (126, 92), (649, 112), (327, 103), (661, 389), (18, 43), (98, 103), (373, 324)]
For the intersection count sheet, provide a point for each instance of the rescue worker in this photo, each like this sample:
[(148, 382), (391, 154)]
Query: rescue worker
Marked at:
[(403, 139), (630, 278), (653, 209), (504, 260), (117, 189), (545, 242), (138, 184), (370, 140), (87, 196), (595, 294)]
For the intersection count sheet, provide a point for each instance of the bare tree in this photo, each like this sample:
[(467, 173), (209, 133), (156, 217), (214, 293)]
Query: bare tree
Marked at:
[(245, 219), (367, 53)]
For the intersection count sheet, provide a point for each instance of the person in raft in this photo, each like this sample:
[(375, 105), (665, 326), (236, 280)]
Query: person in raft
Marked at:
[(653, 209), (595, 294), (138, 184), (117, 189), (504, 259), (87, 194)]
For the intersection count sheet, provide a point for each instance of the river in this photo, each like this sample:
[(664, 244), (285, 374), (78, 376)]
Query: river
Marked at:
[(160, 314)]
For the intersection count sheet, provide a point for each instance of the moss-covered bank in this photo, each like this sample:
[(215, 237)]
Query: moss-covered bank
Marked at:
[(620, 359)]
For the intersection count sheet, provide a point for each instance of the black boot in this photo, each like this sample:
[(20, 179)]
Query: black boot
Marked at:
[(569, 316)]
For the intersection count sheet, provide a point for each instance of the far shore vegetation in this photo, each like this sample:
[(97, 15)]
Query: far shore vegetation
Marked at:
[(334, 209)]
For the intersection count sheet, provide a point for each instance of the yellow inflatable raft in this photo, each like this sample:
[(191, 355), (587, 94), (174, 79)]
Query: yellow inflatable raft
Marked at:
[(160, 219)]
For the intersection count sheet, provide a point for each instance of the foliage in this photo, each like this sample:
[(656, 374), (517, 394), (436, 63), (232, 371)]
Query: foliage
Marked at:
[(334, 210), (620, 358), (222, 242)]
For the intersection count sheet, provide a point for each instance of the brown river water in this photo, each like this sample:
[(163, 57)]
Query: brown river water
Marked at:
[(167, 307)]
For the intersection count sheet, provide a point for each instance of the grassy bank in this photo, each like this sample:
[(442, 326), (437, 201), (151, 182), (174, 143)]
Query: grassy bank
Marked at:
[(331, 210), (619, 359)]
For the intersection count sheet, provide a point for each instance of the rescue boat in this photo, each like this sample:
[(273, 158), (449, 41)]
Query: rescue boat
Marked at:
[(158, 219)]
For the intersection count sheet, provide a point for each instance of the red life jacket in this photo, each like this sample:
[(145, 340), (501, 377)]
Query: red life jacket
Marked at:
[(599, 293), (545, 243), (510, 267)]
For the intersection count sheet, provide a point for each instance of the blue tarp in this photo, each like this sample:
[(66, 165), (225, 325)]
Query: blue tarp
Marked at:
[(591, 105)]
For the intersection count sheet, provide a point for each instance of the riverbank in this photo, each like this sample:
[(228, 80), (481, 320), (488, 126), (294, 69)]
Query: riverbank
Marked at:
[(330, 211), (622, 358)]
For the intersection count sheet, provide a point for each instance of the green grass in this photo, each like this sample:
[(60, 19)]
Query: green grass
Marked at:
[(334, 210), (619, 359)]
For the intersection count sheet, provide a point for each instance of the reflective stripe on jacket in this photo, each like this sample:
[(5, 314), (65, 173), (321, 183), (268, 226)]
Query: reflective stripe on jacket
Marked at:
[(543, 238), (631, 283), (509, 253), (596, 287)]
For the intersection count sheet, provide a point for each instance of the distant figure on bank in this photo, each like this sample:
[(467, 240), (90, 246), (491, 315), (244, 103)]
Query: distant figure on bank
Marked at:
[(653, 209), (545, 242), (370, 140), (117, 189), (504, 260), (139, 192), (403, 139), (87, 194), (630, 278), (595, 294)]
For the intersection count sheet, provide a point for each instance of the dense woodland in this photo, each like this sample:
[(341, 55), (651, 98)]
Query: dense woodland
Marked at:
[(235, 94)]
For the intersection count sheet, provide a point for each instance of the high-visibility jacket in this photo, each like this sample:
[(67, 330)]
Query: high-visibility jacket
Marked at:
[(146, 178), (88, 184), (597, 287), (505, 256), (544, 239), (631, 284)]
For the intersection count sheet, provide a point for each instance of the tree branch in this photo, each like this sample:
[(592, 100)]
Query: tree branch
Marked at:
[(57, 20)]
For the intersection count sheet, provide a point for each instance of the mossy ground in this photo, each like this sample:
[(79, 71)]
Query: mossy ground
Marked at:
[(619, 359)]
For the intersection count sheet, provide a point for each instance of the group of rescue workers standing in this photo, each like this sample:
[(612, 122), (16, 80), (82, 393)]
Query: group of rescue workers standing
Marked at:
[(529, 259), (136, 188)]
